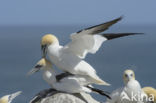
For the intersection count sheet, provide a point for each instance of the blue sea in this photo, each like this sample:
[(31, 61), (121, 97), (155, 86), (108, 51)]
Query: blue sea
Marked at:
[(20, 50)]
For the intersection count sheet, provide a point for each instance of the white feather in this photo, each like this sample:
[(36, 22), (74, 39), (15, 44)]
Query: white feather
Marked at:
[(82, 44), (67, 61), (68, 58), (132, 86), (71, 84)]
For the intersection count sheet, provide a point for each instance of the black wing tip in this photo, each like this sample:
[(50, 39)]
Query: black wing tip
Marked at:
[(111, 22), (122, 16), (110, 36), (119, 18), (139, 33), (104, 93), (109, 97)]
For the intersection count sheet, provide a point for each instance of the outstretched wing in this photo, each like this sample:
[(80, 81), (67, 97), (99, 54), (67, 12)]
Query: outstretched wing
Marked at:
[(89, 40)]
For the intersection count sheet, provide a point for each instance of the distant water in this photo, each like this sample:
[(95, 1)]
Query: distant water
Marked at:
[(20, 50)]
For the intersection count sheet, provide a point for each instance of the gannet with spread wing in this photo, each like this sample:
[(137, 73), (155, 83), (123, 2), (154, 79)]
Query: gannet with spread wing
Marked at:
[(70, 57)]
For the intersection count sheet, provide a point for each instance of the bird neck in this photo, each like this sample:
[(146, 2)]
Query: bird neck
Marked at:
[(49, 75), (133, 85), (128, 80), (55, 44), (53, 50)]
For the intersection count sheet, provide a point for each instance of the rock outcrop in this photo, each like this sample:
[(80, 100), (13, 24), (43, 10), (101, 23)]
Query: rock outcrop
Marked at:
[(53, 96)]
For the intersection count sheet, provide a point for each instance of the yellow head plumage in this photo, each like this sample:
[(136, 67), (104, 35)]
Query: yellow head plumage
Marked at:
[(128, 75), (49, 39), (4, 99), (150, 91), (45, 63)]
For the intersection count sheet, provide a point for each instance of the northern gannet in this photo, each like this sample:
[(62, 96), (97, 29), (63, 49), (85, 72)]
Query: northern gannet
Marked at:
[(9, 98), (70, 57), (130, 93), (65, 82), (150, 91)]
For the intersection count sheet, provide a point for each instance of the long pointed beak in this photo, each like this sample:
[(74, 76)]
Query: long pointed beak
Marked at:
[(12, 96), (34, 70), (44, 50), (110, 36)]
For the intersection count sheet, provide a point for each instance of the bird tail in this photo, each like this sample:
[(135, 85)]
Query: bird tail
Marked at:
[(101, 92), (99, 81), (12, 96)]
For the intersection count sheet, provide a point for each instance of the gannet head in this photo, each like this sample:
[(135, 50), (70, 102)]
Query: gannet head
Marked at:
[(43, 64), (128, 75), (9, 98), (47, 40)]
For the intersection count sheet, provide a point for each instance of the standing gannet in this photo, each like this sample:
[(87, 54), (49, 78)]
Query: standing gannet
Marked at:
[(70, 57), (65, 82), (150, 92), (10, 97), (130, 93)]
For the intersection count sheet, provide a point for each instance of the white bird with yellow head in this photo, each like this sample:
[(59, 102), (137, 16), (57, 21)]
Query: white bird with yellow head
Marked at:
[(9, 98), (69, 58), (65, 82), (131, 92)]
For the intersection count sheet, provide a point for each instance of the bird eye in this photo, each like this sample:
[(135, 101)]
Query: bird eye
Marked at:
[(38, 66), (131, 75), (126, 75)]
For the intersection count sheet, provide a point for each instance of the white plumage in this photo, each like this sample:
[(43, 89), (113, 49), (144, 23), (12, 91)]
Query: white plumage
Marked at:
[(70, 57), (131, 89), (65, 82), (82, 44), (67, 61)]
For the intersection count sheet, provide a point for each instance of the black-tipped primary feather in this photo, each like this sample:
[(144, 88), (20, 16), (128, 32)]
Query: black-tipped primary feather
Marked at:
[(104, 93), (99, 28), (110, 36)]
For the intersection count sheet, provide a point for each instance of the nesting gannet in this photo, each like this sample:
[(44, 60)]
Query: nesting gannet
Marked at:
[(64, 82), (9, 98), (130, 93), (150, 92), (70, 57)]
